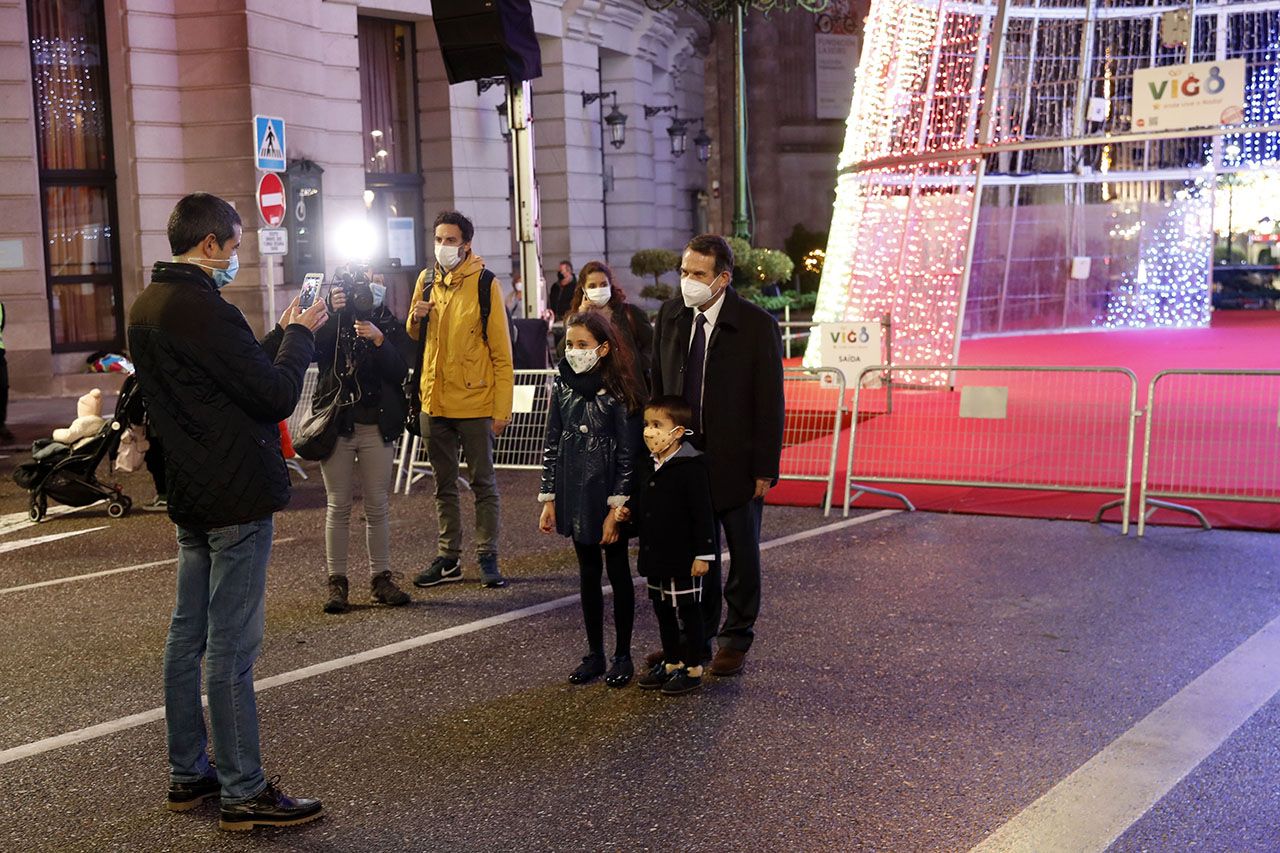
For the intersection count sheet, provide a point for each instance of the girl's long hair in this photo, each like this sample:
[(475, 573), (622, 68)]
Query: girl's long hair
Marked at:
[(619, 367)]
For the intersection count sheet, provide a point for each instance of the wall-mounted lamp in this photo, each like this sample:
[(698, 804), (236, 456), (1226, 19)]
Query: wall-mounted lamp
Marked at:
[(678, 132), (615, 120)]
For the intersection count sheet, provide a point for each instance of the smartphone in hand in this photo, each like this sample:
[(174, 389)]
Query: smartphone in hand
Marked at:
[(310, 289)]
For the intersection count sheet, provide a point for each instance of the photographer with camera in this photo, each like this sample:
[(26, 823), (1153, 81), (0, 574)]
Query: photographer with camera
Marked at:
[(360, 353)]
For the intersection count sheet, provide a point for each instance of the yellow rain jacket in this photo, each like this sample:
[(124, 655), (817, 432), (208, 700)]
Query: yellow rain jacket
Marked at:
[(461, 377)]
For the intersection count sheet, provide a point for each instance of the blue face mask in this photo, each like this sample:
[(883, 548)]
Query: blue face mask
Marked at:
[(379, 292), (222, 278)]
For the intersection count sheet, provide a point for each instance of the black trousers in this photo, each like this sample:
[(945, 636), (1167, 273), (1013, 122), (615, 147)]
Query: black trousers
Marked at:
[(680, 627), (591, 567), (741, 527)]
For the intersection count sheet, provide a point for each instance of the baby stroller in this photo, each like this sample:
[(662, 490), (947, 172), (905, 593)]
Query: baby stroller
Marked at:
[(68, 474)]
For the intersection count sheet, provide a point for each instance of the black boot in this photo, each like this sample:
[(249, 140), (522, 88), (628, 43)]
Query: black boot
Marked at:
[(337, 602), (385, 591)]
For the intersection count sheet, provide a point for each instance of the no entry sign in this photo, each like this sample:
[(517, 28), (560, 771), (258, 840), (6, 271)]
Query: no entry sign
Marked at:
[(271, 199)]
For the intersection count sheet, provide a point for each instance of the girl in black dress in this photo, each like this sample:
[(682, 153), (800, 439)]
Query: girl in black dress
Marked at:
[(592, 438)]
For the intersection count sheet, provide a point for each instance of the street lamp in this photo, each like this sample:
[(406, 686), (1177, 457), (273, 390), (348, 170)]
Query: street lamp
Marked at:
[(615, 120), (504, 121), (702, 143), (679, 133)]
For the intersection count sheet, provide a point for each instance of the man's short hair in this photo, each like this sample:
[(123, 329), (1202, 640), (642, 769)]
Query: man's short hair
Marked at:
[(453, 217), (674, 407), (195, 217), (715, 246), (567, 264)]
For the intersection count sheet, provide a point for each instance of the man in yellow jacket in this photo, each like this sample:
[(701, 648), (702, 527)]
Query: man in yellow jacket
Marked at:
[(465, 390)]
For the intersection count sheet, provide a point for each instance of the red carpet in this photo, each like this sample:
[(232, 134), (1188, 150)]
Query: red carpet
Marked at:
[(1057, 431)]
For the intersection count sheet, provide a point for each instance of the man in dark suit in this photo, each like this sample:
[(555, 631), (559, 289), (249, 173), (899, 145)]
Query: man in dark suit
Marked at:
[(724, 356)]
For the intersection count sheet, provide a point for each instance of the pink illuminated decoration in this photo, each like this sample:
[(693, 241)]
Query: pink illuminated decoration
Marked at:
[(1052, 213)]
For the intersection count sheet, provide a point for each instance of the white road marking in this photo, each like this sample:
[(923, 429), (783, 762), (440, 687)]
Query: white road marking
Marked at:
[(90, 575), (1096, 804), (15, 521), (18, 544), (49, 744)]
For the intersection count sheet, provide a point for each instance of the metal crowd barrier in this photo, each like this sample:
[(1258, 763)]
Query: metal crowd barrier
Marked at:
[(811, 434), (1210, 435), (519, 447), (1065, 429)]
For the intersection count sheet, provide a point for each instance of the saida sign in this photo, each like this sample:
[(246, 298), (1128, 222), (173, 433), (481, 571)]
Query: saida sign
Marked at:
[(1180, 97)]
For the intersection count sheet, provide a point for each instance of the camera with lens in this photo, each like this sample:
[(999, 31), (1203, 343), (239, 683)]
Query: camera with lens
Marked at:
[(356, 282)]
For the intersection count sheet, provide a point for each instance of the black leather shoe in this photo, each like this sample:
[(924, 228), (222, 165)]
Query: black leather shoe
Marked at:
[(272, 807), (621, 672), (591, 668), (184, 796)]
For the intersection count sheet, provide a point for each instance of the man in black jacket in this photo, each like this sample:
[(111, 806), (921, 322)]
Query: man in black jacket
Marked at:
[(214, 395), (724, 356)]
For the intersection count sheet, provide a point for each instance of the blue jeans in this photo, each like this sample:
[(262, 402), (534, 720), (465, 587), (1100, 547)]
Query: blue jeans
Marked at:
[(219, 616)]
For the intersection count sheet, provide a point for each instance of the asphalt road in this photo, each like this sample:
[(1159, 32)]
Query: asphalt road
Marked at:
[(917, 681)]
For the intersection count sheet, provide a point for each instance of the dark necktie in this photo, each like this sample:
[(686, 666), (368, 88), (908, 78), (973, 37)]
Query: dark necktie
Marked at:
[(693, 369)]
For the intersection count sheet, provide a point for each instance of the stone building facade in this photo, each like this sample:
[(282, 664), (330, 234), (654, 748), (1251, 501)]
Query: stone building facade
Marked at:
[(111, 110)]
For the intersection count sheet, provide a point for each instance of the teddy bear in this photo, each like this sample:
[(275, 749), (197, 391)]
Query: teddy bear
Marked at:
[(88, 420)]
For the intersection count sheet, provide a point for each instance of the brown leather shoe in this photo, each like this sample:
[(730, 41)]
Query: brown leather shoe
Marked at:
[(653, 659), (727, 662)]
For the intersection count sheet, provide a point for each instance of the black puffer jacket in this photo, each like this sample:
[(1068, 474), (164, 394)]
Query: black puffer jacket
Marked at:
[(215, 395), (589, 453), (377, 372)]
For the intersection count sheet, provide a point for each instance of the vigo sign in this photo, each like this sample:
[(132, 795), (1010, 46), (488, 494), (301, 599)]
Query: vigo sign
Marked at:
[(1179, 97)]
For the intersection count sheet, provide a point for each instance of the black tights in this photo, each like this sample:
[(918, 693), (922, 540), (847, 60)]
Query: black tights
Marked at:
[(591, 566), (678, 646)]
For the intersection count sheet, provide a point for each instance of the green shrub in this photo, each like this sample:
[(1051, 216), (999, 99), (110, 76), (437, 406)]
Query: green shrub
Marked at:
[(655, 262)]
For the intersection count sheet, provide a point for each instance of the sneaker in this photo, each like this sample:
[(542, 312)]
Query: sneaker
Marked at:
[(621, 672), (337, 602), (270, 808), (490, 577), (184, 796), (385, 591), (441, 570), (681, 682), (655, 677), (591, 668), (157, 504)]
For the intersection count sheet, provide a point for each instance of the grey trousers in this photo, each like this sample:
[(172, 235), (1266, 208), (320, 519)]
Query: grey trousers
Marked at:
[(365, 449), (474, 436)]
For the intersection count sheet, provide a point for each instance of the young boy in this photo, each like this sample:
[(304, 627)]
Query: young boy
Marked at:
[(676, 522)]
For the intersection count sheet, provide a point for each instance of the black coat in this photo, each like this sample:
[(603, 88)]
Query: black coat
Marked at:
[(589, 453), (742, 401), (673, 514), (378, 371), (215, 395)]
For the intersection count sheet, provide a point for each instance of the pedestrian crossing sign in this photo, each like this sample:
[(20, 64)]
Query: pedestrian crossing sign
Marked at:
[(268, 135)]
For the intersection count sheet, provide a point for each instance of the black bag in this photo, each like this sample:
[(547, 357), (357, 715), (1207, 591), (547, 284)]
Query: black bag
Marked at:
[(318, 433)]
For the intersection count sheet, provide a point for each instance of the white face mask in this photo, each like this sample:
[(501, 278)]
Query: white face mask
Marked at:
[(582, 360), (598, 295), (695, 293), (448, 256), (659, 442)]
